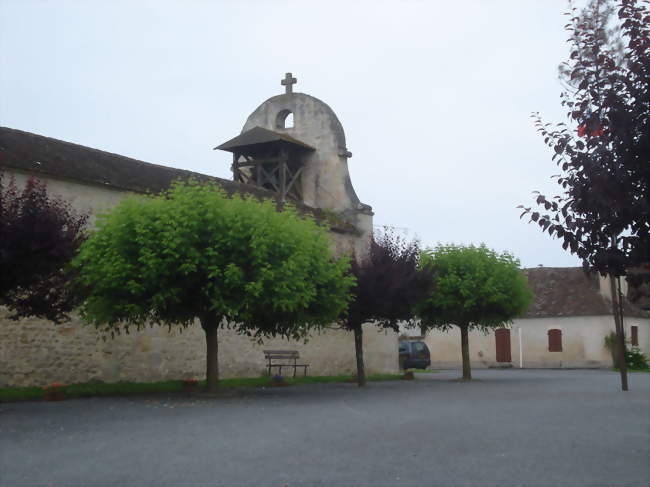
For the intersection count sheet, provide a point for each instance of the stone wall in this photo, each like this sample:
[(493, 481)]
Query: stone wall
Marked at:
[(37, 352)]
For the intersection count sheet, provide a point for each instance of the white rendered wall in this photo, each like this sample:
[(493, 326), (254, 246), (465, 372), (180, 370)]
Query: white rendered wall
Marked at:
[(89, 199), (582, 343)]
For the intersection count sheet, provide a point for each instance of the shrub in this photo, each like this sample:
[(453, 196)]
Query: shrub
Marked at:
[(636, 359)]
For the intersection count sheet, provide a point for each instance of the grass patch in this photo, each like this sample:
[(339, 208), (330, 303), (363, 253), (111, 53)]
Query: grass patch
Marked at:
[(10, 394), (20, 394)]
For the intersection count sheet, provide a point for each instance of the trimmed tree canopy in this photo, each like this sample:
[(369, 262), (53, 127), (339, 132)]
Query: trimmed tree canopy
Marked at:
[(39, 235), (193, 254), (474, 288)]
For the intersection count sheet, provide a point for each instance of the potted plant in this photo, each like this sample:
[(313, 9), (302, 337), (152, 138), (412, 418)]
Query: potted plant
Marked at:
[(190, 385), (408, 375), (54, 392), (278, 381)]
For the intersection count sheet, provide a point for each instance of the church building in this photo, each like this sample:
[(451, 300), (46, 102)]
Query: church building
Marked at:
[(292, 149)]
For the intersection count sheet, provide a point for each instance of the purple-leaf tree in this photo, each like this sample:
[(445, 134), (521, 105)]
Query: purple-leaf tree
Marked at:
[(388, 285), (39, 235), (602, 213)]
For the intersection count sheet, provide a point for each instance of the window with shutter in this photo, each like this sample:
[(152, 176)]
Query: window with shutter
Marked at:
[(555, 340)]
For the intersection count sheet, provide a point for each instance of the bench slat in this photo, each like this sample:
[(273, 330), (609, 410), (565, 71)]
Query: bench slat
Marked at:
[(291, 355)]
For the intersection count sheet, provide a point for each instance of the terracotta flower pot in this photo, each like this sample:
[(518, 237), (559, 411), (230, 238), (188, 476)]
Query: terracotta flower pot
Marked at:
[(278, 381), (54, 392), (54, 396), (190, 386)]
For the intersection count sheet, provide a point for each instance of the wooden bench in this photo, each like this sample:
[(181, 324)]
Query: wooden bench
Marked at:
[(288, 358)]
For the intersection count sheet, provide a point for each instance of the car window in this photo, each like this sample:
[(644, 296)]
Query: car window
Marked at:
[(418, 347), (402, 347)]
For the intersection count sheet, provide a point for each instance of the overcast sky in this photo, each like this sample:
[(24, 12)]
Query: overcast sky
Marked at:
[(435, 96)]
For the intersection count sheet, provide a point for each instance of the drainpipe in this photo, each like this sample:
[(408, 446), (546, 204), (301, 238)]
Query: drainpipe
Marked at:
[(521, 351)]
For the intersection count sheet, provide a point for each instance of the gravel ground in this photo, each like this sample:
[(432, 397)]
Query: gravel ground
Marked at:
[(506, 428)]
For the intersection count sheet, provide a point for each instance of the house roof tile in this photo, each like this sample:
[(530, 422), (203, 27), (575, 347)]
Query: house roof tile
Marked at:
[(569, 291)]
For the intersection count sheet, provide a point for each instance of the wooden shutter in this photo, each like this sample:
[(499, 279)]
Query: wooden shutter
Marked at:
[(635, 336), (502, 336), (555, 340)]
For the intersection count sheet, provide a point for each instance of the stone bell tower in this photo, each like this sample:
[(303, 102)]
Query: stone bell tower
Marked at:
[(294, 144)]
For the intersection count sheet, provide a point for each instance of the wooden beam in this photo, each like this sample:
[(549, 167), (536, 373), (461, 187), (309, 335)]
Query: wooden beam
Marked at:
[(268, 177), (283, 182), (294, 178), (255, 162), (234, 168)]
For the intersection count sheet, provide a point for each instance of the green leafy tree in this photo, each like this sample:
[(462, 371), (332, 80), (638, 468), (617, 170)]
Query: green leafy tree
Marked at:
[(474, 288), (194, 254)]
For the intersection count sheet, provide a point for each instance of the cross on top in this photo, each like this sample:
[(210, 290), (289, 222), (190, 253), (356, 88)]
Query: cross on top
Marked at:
[(288, 83)]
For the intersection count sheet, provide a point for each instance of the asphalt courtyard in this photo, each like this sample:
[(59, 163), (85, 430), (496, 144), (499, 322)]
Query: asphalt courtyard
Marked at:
[(506, 428)]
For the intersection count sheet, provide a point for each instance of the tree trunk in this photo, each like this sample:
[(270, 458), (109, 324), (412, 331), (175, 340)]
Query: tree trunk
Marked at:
[(358, 347), (620, 332), (210, 326), (464, 347)]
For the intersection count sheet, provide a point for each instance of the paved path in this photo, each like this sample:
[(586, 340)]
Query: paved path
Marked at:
[(508, 428)]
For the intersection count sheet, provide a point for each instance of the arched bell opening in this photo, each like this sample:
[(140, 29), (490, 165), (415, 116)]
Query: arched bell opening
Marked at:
[(284, 120)]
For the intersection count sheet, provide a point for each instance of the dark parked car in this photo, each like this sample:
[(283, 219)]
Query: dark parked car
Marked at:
[(414, 355)]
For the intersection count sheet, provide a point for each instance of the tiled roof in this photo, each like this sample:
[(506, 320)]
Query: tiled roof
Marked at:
[(38, 154), (45, 156), (569, 291), (259, 135)]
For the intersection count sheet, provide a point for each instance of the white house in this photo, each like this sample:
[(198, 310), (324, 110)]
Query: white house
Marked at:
[(565, 327)]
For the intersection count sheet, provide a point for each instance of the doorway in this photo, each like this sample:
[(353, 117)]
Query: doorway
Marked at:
[(502, 336)]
